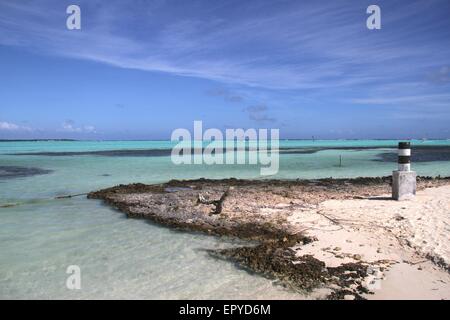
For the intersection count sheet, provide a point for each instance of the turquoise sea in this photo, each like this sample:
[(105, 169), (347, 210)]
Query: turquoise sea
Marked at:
[(125, 258)]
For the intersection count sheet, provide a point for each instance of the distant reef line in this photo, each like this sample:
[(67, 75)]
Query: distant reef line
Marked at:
[(166, 140), (420, 153), (35, 140)]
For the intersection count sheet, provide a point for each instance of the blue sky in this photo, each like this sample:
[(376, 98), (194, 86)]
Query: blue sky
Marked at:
[(140, 69)]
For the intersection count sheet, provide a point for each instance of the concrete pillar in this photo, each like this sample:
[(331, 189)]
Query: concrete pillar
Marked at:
[(403, 179)]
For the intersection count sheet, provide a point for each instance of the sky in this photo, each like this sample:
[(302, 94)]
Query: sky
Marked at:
[(141, 69)]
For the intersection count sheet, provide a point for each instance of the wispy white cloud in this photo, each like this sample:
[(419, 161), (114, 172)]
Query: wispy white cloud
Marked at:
[(437, 99), (225, 94), (9, 126), (259, 114), (69, 126)]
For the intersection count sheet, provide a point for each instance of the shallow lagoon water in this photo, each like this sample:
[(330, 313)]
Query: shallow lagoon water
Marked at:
[(126, 258)]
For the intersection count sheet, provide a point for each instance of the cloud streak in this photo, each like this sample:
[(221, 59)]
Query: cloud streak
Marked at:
[(225, 94), (9, 126), (296, 46), (259, 114), (69, 126)]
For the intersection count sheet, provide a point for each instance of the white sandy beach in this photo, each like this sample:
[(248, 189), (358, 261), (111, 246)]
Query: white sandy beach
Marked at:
[(400, 236)]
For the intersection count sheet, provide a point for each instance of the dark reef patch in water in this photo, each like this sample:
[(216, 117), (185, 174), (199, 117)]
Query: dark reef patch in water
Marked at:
[(419, 154), (105, 153), (168, 152), (11, 172)]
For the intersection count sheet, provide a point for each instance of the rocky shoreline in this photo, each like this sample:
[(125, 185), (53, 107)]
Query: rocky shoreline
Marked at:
[(261, 210)]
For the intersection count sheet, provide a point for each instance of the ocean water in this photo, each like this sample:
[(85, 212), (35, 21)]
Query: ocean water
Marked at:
[(126, 258)]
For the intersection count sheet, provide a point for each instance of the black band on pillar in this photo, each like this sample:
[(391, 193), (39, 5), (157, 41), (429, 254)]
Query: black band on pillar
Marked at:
[(404, 145), (404, 159)]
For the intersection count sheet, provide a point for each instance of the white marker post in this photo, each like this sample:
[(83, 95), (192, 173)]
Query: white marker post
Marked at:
[(404, 180)]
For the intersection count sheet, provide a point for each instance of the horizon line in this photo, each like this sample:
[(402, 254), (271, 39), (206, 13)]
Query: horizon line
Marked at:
[(168, 140)]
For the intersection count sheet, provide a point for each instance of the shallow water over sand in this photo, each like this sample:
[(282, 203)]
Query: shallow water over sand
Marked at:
[(125, 258)]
